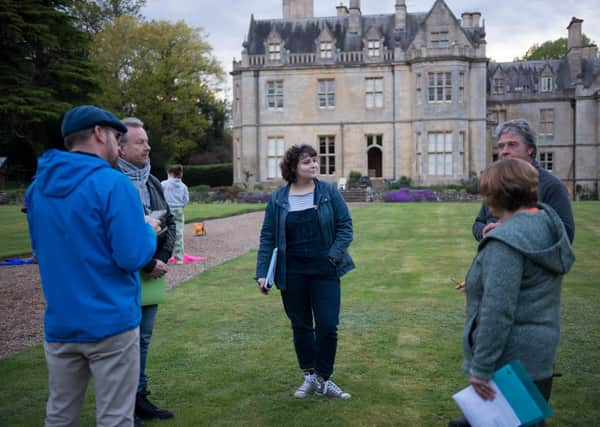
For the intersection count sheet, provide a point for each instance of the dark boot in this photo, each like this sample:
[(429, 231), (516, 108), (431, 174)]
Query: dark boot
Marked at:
[(137, 422), (147, 410), (459, 422)]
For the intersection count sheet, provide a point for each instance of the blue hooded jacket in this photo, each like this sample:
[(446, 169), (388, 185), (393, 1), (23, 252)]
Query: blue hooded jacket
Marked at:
[(87, 228)]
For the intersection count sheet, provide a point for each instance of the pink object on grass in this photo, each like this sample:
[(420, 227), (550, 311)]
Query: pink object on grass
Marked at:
[(187, 258)]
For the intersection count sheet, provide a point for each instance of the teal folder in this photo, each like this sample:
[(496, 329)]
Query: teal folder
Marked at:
[(522, 394)]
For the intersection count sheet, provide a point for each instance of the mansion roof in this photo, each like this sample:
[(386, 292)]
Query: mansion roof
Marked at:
[(300, 35)]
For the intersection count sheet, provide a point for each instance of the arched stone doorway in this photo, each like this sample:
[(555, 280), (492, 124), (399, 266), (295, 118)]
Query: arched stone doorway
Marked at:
[(375, 162)]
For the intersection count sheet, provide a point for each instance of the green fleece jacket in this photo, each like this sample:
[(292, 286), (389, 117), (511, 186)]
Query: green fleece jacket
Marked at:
[(513, 295)]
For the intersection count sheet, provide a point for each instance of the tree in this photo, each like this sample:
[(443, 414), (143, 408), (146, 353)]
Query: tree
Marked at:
[(159, 72), (550, 49), (44, 70), (92, 15)]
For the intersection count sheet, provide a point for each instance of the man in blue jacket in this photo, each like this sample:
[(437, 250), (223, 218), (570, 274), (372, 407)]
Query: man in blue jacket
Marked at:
[(88, 230)]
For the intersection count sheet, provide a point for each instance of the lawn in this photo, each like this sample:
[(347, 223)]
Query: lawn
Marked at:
[(222, 353), (15, 236)]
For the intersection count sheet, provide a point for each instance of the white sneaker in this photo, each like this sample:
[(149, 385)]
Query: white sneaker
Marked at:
[(331, 389), (308, 387)]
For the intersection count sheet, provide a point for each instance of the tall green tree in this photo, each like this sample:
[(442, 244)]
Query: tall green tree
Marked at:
[(550, 49), (44, 70), (160, 72), (92, 15)]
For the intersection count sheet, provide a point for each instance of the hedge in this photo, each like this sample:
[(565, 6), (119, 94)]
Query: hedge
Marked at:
[(216, 175)]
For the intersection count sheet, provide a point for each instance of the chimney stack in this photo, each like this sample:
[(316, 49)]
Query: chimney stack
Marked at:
[(400, 15), (355, 24), (475, 18), (574, 33), (298, 9), (342, 10), (467, 21)]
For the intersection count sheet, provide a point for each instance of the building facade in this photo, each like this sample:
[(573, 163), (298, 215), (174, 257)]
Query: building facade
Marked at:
[(390, 95)]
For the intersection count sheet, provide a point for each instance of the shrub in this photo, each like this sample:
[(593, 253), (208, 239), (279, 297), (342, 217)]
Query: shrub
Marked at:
[(354, 176), (217, 175), (407, 195)]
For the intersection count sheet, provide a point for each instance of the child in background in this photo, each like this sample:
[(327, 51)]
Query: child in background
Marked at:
[(177, 196)]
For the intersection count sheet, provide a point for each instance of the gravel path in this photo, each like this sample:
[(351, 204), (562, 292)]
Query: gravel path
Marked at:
[(22, 302)]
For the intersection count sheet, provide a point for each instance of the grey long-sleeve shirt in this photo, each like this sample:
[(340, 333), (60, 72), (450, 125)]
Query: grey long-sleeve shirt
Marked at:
[(551, 191)]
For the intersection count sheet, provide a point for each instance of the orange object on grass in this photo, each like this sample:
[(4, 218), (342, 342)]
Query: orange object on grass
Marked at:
[(200, 229)]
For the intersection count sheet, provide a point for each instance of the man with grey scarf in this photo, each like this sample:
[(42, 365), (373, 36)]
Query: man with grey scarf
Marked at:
[(134, 161)]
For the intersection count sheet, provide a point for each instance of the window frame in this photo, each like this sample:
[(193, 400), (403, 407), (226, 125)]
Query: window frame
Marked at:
[(547, 160), (498, 87), (439, 87), (441, 155), (373, 48), (327, 52), (439, 39), (327, 157), (374, 93), (274, 91), (275, 152), (547, 119), (274, 51), (546, 84), (326, 92)]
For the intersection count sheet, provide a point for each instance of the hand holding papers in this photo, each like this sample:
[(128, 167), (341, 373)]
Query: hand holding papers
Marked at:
[(270, 279), (518, 401)]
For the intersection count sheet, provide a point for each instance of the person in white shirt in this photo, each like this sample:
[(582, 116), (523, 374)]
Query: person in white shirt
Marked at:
[(177, 196)]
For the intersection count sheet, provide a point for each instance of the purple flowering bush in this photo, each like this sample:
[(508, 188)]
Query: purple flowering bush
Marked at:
[(253, 197), (405, 195)]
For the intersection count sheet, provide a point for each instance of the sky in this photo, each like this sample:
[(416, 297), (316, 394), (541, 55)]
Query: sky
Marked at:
[(512, 26)]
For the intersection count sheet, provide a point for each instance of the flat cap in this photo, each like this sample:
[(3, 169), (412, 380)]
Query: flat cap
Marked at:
[(88, 116)]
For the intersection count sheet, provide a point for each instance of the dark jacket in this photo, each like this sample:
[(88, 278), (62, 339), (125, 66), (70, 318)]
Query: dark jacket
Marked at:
[(166, 240), (336, 227), (551, 191), (513, 295)]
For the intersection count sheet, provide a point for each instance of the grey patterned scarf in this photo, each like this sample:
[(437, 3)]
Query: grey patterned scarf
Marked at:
[(139, 177)]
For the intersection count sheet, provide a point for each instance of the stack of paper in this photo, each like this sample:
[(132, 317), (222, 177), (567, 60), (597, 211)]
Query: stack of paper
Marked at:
[(518, 401)]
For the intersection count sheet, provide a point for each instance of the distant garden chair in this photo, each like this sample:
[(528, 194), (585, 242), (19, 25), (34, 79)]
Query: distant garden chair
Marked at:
[(342, 184)]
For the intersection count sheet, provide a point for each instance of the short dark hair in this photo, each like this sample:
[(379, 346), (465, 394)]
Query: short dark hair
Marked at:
[(521, 127), (292, 156), (72, 140), (176, 171), (509, 184)]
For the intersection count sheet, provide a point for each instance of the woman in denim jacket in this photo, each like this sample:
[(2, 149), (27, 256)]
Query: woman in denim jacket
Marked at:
[(309, 223)]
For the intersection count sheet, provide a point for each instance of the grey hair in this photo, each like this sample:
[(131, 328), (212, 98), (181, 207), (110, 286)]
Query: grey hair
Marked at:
[(521, 127), (130, 122)]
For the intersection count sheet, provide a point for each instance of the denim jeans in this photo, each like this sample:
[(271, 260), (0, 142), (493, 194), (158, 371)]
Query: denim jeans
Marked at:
[(313, 293), (146, 328)]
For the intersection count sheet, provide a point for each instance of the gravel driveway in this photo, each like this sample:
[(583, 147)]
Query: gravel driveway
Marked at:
[(22, 302)]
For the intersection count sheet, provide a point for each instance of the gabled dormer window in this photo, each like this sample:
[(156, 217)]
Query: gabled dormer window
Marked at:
[(326, 49), (373, 48), (546, 84), (274, 51)]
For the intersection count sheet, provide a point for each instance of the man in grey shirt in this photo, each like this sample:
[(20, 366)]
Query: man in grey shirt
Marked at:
[(516, 139)]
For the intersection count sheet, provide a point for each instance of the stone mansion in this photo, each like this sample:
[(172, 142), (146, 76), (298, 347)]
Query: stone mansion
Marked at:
[(405, 94)]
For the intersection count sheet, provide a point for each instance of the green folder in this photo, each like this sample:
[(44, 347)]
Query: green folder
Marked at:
[(154, 290)]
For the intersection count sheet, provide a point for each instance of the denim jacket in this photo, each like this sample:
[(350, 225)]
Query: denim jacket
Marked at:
[(336, 228)]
